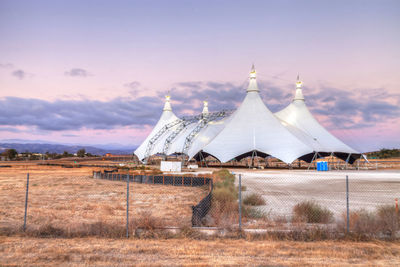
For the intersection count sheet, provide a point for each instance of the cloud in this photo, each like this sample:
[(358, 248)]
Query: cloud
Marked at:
[(77, 72), (74, 115), (357, 109), (10, 129), (20, 74), (6, 65), (334, 108), (134, 87)]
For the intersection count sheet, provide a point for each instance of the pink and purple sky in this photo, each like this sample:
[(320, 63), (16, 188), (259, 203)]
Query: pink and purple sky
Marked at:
[(93, 72)]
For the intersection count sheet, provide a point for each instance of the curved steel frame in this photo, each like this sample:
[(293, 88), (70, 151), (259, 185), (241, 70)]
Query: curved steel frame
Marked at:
[(183, 122)]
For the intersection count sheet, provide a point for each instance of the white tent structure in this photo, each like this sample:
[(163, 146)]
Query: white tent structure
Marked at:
[(177, 145), (166, 118), (253, 129), (297, 118)]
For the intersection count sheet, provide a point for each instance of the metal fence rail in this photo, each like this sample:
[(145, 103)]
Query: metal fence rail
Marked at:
[(156, 179)]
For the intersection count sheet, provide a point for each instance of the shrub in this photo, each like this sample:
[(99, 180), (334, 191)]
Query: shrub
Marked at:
[(146, 220), (223, 178), (244, 188), (253, 212), (223, 195), (389, 219), (224, 209), (362, 222), (311, 212), (254, 199)]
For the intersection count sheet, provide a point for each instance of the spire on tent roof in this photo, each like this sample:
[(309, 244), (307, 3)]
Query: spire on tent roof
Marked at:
[(205, 107), (253, 81), (253, 72), (167, 105), (299, 93)]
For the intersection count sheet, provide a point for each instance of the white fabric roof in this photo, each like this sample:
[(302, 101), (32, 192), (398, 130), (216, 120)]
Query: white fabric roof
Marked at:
[(177, 144), (254, 127), (297, 116), (206, 135), (287, 135), (167, 116)]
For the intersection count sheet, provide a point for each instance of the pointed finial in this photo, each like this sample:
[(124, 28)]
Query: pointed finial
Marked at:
[(299, 94), (205, 107), (253, 72), (298, 83), (167, 105)]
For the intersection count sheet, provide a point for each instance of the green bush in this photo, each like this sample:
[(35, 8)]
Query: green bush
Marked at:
[(311, 212)]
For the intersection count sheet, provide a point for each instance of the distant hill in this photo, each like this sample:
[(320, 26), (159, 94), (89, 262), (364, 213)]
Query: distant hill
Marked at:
[(385, 153), (59, 148)]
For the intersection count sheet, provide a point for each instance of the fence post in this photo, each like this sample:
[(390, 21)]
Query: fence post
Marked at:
[(240, 202), (127, 205), (347, 205), (26, 199)]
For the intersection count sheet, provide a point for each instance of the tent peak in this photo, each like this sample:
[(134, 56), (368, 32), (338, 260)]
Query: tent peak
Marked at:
[(205, 107), (167, 105), (299, 92), (253, 80)]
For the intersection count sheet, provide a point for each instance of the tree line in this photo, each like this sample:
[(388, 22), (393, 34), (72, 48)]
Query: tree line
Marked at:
[(385, 153), (12, 154)]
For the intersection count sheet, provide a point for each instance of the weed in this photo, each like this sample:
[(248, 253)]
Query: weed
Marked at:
[(311, 212), (254, 199)]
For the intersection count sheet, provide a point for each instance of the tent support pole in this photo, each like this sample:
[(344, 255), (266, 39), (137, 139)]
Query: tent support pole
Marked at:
[(252, 160), (309, 165), (202, 156), (347, 160)]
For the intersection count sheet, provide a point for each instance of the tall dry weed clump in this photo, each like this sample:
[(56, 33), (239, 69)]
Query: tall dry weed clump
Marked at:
[(389, 219), (224, 207), (362, 223), (384, 221), (254, 199), (311, 212)]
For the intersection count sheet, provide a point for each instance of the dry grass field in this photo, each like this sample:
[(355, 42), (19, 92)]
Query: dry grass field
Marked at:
[(70, 200), (22, 251), (71, 217)]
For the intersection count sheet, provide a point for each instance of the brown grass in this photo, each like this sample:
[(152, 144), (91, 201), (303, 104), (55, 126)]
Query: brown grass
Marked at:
[(184, 251), (68, 201), (254, 199), (311, 212)]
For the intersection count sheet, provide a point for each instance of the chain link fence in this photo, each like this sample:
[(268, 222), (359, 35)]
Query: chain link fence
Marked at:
[(75, 202), (293, 202), (79, 202)]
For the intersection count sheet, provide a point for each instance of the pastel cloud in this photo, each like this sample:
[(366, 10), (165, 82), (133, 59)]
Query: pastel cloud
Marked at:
[(77, 72), (335, 108), (19, 74)]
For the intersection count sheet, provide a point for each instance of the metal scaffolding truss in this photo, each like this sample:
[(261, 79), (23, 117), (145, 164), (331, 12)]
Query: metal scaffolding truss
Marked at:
[(182, 123), (154, 139), (201, 125), (175, 133)]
